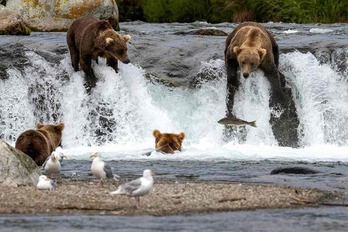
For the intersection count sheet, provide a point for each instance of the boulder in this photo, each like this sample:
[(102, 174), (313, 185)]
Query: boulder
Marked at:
[(48, 15), (11, 23), (16, 168)]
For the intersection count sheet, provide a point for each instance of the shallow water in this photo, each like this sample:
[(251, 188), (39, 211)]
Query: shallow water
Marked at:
[(308, 219), (38, 84), (332, 176)]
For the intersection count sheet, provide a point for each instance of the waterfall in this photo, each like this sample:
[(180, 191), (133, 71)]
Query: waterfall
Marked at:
[(124, 108), (321, 97)]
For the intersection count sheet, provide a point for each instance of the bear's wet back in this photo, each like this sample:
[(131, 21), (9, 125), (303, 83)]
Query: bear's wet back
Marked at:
[(40, 143)]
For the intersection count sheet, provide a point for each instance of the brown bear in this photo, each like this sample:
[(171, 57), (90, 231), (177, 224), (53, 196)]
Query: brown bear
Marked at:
[(168, 142), (249, 47), (88, 38), (40, 143)]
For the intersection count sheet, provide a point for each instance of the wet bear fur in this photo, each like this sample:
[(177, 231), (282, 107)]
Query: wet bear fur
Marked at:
[(40, 143), (89, 38), (168, 142), (249, 47)]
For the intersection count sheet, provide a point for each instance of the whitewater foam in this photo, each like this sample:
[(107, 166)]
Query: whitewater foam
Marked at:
[(118, 118)]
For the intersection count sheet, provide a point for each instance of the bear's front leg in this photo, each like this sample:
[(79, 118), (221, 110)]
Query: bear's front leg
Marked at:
[(75, 60), (232, 85), (74, 53), (112, 62), (278, 97), (86, 66)]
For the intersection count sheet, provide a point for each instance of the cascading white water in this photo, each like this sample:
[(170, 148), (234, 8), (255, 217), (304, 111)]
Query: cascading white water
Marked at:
[(321, 99), (138, 106), (132, 106)]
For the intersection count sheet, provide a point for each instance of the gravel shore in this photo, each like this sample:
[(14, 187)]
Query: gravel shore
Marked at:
[(166, 198)]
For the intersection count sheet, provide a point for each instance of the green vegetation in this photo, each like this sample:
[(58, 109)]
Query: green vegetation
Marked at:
[(215, 11)]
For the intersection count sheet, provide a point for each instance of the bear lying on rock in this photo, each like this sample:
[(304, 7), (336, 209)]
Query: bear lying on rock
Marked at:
[(40, 143), (249, 47), (168, 142), (89, 38)]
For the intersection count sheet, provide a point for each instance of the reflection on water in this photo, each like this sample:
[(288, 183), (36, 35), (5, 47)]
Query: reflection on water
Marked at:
[(309, 219), (332, 176)]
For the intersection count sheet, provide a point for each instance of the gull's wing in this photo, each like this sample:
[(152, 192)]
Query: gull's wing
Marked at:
[(108, 171), (54, 185), (132, 186), (44, 164)]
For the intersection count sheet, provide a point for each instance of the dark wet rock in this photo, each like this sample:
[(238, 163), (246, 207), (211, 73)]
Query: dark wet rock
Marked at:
[(11, 23), (294, 170), (175, 59), (285, 126), (15, 59), (147, 153), (203, 31), (16, 168), (206, 74), (57, 16)]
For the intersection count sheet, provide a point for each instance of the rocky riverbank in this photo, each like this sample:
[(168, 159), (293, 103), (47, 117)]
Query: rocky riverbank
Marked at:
[(167, 198)]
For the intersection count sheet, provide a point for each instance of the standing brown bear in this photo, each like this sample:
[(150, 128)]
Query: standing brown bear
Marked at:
[(40, 143), (88, 38), (249, 47)]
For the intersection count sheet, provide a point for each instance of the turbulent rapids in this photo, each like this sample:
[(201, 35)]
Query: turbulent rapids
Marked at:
[(175, 83)]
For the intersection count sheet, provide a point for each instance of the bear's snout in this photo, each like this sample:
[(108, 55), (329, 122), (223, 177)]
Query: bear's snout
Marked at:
[(126, 61), (245, 75)]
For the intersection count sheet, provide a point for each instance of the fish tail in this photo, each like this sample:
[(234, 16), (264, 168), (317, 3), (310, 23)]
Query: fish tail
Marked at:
[(253, 123)]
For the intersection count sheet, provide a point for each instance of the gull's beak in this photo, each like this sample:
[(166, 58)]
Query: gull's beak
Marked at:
[(153, 173), (64, 155), (93, 155)]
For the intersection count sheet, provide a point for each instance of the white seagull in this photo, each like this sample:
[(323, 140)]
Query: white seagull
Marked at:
[(138, 187), (61, 153), (52, 164), (99, 168), (46, 183)]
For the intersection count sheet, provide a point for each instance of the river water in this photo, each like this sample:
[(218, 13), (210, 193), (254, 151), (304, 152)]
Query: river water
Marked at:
[(176, 82)]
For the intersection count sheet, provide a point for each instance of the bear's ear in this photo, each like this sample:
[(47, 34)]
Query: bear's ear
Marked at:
[(181, 136), (39, 125), (262, 53), (105, 42), (236, 50), (156, 133), (109, 41), (103, 25), (60, 126), (126, 37)]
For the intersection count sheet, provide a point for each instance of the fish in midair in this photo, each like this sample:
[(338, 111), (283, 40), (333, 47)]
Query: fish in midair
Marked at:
[(236, 122)]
